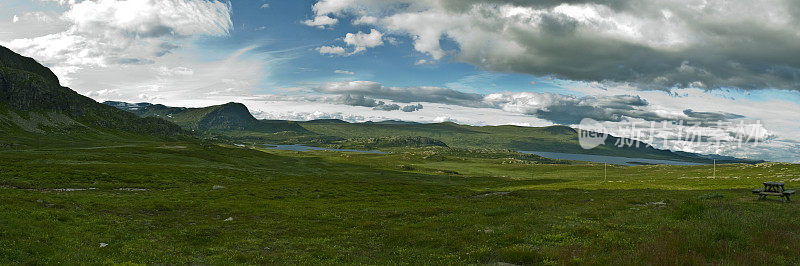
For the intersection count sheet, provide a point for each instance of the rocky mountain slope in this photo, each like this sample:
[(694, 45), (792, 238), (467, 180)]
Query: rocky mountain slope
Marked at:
[(33, 104)]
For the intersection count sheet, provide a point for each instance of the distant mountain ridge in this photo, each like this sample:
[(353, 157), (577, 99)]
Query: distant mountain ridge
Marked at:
[(326, 121), (225, 117), (234, 120)]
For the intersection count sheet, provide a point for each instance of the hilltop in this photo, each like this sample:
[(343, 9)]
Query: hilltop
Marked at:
[(229, 117)]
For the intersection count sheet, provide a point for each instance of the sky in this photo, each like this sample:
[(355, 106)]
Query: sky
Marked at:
[(726, 73)]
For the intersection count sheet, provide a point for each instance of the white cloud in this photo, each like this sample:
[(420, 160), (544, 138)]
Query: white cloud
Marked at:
[(365, 20), (331, 50), (101, 93), (265, 5), (422, 62), (441, 119), (344, 72), (392, 40), (148, 18), (142, 50), (307, 116), (361, 41), (40, 17), (332, 6), (113, 32), (31, 25), (293, 109), (60, 2), (176, 77), (148, 98), (428, 28), (320, 22), (176, 71)]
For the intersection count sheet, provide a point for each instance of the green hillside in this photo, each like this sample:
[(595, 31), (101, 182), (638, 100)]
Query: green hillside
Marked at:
[(36, 110)]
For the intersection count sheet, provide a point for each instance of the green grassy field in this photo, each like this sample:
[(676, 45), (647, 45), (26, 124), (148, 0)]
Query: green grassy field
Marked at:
[(189, 202)]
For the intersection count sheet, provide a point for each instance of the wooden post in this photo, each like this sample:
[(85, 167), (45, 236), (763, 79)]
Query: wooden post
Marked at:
[(715, 168), (605, 172)]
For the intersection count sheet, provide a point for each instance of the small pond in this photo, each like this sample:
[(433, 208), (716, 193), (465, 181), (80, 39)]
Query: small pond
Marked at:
[(297, 147)]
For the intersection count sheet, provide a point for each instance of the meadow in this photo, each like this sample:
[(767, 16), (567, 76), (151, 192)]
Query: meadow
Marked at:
[(204, 203)]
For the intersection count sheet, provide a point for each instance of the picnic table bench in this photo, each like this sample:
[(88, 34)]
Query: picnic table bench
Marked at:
[(773, 189)]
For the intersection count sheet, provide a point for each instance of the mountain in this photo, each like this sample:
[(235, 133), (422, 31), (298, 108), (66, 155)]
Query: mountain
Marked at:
[(234, 120), (229, 117), (325, 121), (393, 122), (33, 105)]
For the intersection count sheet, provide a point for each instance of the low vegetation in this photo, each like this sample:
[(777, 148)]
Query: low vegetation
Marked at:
[(188, 202)]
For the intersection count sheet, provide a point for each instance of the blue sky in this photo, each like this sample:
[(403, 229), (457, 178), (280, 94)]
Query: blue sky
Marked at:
[(285, 36), (478, 62)]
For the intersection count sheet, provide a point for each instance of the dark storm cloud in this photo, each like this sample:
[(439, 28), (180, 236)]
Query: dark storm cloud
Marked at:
[(401, 94), (411, 108), (651, 44), (710, 116), (357, 100), (387, 107), (361, 100), (747, 57)]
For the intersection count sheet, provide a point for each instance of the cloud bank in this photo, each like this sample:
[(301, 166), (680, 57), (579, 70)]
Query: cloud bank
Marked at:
[(557, 108), (651, 44), (114, 32), (401, 94)]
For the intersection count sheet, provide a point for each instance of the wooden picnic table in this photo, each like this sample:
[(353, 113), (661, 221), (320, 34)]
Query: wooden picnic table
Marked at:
[(773, 189)]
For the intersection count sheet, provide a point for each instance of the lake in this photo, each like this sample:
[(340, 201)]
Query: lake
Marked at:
[(606, 159), (296, 147), (552, 155)]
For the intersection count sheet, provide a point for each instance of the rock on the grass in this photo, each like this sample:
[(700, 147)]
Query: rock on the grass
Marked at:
[(218, 187), (498, 193), (132, 189), (228, 219), (102, 245)]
